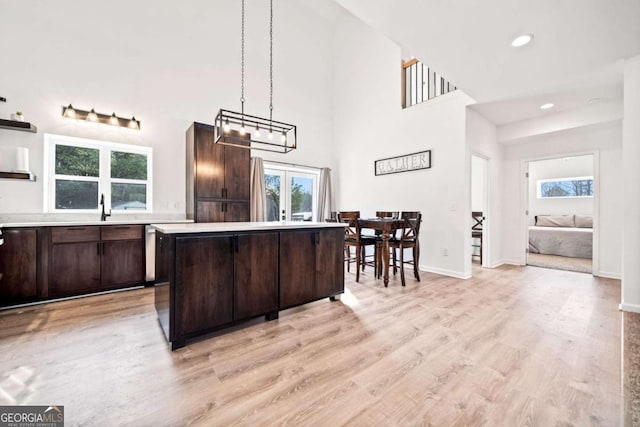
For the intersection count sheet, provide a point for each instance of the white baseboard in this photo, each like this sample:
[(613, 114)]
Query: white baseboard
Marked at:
[(634, 308), (506, 262), (608, 275), (445, 272)]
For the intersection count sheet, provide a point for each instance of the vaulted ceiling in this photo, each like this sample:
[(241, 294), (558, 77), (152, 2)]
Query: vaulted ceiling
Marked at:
[(576, 54)]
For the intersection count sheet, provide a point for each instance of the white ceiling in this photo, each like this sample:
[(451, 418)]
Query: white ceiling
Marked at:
[(575, 55)]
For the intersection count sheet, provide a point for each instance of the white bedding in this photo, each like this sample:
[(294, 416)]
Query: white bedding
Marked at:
[(563, 241)]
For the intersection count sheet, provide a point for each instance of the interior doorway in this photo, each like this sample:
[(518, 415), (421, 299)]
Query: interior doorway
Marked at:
[(560, 206), (479, 210)]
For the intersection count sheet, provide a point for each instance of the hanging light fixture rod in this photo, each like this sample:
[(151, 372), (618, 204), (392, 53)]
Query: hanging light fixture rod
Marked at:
[(253, 132)]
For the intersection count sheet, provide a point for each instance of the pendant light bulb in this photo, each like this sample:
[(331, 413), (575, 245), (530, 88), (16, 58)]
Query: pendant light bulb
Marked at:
[(243, 131), (133, 123), (257, 133), (226, 126), (283, 137), (270, 135)]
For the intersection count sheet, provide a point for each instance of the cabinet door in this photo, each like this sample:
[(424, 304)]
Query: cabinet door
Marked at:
[(297, 267), (74, 268), (237, 171), (209, 164), (204, 283), (122, 263), (256, 275), (236, 211), (209, 211), (329, 262), (18, 269)]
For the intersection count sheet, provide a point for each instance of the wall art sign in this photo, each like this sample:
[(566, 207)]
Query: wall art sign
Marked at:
[(406, 163)]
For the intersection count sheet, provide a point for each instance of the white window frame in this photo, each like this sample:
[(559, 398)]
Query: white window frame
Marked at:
[(104, 179), (573, 178)]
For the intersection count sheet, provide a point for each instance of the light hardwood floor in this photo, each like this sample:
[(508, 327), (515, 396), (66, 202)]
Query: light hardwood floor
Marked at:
[(512, 346)]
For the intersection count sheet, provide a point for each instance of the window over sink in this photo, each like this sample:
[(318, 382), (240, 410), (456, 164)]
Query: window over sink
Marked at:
[(78, 171)]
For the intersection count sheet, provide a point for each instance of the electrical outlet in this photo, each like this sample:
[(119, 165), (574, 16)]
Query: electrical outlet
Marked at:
[(445, 252)]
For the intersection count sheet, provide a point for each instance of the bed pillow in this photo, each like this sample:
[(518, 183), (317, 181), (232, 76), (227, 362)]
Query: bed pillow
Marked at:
[(555, 221), (584, 221)]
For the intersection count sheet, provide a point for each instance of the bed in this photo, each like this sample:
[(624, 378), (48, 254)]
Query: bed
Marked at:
[(564, 235)]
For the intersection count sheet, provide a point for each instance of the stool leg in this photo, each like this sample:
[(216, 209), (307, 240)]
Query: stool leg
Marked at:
[(401, 265)]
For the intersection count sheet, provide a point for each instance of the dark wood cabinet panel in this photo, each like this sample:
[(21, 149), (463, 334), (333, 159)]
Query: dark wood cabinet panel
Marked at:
[(237, 173), (236, 211), (209, 163), (122, 263), (204, 283), (75, 234), (329, 262), (297, 267), (215, 173), (256, 275), (18, 265), (122, 232), (207, 211), (74, 268)]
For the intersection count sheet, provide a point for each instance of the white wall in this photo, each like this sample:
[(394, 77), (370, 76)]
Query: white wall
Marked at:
[(631, 148), (370, 125), (481, 137), (477, 183), (606, 140), (167, 63), (563, 167)]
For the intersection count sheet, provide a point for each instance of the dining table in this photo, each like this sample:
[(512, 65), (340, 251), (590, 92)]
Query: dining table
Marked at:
[(386, 227)]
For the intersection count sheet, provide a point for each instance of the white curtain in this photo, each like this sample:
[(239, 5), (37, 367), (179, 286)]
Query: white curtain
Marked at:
[(258, 191), (325, 196)]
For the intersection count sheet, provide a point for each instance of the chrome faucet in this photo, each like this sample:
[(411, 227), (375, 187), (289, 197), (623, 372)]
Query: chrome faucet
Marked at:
[(104, 215)]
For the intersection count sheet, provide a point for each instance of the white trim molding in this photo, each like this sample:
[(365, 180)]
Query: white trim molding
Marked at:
[(445, 272), (507, 262), (608, 275), (633, 308)]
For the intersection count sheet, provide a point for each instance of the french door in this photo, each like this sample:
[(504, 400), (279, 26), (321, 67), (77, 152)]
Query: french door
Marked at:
[(291, 194)]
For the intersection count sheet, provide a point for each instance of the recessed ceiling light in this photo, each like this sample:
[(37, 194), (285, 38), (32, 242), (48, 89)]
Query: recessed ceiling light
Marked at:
[(546, 106), (522, 40)]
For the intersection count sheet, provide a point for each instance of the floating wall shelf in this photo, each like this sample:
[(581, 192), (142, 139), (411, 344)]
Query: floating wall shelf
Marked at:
[(18, 175), (17, 125)]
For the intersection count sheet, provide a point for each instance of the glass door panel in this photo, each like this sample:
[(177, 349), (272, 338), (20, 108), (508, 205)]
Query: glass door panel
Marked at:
[(274, 181)]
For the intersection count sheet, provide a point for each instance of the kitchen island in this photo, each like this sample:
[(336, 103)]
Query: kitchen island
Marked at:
[(210, 276)]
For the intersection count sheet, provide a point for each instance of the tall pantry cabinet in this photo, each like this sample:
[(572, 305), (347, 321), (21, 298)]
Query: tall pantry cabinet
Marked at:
[(218, 184)]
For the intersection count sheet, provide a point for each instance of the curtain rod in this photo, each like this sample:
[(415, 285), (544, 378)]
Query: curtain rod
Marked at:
[(291, 164)]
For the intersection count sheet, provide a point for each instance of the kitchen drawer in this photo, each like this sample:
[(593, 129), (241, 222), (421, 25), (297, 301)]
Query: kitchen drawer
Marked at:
[(75, 234), (122, 232)]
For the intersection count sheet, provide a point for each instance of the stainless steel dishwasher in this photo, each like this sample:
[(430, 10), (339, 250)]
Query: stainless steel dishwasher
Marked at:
[(150, 253)]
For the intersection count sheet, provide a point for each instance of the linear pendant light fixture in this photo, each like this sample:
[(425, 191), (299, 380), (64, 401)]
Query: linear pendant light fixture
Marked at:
[(91, 116), (252, 132)]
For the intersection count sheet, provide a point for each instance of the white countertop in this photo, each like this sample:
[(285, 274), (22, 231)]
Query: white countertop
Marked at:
[(219, 227), (81, 223)]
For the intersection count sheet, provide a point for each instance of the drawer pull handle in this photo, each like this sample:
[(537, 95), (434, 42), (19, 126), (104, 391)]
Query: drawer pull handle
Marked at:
[(76, 228)]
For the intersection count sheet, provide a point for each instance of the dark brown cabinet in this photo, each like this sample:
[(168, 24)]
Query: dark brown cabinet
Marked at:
[(256, 275), (217, 178), (204, 278), (95, 258), (223, 278), (311, 266), (18, 265), (75, 260), (122, 261), (211, 280)]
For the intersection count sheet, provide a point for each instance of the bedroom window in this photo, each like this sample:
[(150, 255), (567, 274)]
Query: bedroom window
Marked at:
[(581, 186), (78, 171)]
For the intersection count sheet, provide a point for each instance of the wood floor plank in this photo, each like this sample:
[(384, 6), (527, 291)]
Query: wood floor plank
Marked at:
[(511, 346)]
